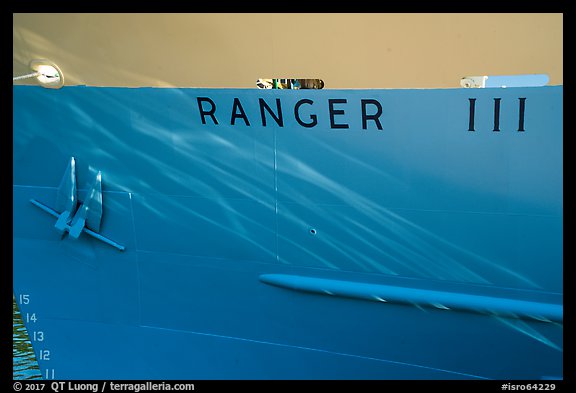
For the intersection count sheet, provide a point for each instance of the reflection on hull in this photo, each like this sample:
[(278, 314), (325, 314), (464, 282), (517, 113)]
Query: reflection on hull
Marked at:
[(381, 217), (24, 363)]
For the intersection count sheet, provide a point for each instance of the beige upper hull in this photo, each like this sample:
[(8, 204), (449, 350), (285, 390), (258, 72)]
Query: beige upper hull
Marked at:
[(233, 50)]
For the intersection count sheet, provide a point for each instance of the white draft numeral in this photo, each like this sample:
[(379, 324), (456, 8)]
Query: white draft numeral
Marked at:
[(44, 354), (24, 299), (38, 336), (31, 317)]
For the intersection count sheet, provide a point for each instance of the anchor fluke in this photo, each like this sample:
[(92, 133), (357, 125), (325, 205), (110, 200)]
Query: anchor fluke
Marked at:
[(67, 197)]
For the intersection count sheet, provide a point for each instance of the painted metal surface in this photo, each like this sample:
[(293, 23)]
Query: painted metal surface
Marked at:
[(346, 50), (209, 189)]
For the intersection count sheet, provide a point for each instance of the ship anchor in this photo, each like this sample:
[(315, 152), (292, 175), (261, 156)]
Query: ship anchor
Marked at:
[(72, 219)]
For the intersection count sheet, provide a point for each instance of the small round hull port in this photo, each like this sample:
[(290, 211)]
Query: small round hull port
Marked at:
[(49, 75)]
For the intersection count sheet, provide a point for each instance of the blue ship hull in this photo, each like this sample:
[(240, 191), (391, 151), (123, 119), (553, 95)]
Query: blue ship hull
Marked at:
[(292, 234)]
